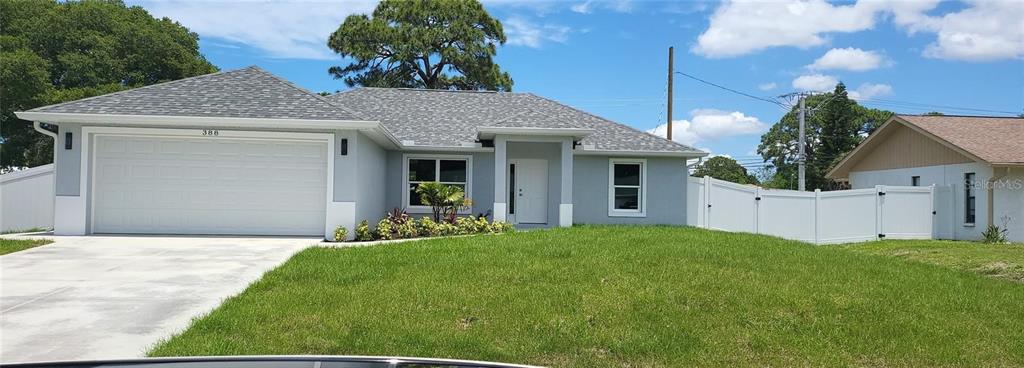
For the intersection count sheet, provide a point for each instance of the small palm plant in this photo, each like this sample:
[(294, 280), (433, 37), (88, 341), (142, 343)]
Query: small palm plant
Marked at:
[(445, 201)]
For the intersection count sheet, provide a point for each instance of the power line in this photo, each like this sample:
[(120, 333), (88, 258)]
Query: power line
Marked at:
[(777, 103), (911, 104)]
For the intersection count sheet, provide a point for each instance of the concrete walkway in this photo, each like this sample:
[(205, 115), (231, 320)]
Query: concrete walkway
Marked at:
[(101, 297)]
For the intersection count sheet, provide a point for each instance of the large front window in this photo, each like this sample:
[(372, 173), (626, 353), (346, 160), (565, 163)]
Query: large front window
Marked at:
[(445, 170), (627, 187)]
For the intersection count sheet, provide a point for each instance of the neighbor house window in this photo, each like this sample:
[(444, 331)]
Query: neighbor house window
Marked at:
[(627, 187), (453, 171), (915, 181), (969, 203)]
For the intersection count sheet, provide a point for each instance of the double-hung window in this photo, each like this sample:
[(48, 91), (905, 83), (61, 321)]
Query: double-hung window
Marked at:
[(448, 170), (627, 187), (969, 202)]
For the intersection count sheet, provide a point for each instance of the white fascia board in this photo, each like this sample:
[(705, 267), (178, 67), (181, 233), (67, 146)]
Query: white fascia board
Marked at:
[(490, 132), (446, 148), (686, 154), (213, 121)]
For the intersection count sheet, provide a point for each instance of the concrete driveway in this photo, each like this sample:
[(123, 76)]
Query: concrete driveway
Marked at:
[(114, 297)]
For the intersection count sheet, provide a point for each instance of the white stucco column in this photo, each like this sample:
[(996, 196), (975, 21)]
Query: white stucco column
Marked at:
[(500, 209), (565, 203)]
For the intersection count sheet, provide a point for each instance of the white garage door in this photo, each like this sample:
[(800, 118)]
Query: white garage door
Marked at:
[(191, 185)]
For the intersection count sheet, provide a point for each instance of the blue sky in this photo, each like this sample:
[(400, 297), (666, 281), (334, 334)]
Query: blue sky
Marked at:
[(609, 57)]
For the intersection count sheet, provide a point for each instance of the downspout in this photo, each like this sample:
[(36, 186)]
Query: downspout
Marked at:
[(53, 135), (991, 188)]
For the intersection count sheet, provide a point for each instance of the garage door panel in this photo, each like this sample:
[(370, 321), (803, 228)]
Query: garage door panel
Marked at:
[(179, 185)]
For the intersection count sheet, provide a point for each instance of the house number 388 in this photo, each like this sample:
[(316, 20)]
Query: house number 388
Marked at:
[(212, 133)]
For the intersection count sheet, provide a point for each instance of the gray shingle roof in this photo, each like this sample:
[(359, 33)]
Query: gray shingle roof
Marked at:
[(450, 118), (244, 93)]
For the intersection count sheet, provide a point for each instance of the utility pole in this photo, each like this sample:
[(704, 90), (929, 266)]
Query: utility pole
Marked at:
[(802, 160), (668, 133)]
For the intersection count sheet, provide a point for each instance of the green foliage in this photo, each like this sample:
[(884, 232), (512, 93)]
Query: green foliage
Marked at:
[(429, 228), (994, 235), (837, 125), (363, 232), (340, 233), (500, 227), (52, 52), (445, 201), (436, 44), (383, 230), (724, 168), (465, 226)]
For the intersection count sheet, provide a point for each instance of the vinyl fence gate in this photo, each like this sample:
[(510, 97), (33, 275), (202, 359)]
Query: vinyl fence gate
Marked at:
[(843, 216)]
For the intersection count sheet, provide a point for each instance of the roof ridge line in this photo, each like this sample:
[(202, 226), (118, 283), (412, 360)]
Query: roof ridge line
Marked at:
[(611, 121), (308, 92), (142, 87)]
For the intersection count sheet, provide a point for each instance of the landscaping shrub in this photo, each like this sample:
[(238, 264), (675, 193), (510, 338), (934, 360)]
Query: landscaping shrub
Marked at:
[(399, 225), (384, 229), (340, 233), (363, 232), (994, 235)]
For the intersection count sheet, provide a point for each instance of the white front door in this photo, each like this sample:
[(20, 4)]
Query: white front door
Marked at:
[(531, 191), (195, 185)]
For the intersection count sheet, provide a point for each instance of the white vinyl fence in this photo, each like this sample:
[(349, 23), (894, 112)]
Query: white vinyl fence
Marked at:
[(818, 217), (26, 199)]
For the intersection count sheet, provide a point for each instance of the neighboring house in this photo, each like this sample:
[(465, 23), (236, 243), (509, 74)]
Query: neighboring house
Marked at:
[(245, 152), (981, 158)]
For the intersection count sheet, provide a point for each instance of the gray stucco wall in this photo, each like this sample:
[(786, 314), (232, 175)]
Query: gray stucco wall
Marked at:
[(481, 192), (666, 192), (370, 178), (68, 162)]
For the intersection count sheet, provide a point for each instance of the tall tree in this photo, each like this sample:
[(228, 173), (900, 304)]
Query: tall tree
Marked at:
[(52, 52), (836, 125), (436, 44), (724, 168)]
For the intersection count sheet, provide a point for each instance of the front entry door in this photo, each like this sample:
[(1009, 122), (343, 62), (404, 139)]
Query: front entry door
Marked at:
[(531, 191)]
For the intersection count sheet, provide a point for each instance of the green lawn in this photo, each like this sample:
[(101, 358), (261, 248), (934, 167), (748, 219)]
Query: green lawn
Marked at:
[(1004, 261), (11, 245), (619, 296)]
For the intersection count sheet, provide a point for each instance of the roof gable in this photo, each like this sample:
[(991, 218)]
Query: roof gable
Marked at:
[(916, 141), (452, 118), (243, 93)]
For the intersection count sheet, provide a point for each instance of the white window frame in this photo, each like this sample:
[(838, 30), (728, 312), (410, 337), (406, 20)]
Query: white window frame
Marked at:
[(640, 212), (437, 174)]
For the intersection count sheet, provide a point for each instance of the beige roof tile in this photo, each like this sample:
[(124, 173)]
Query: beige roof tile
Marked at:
[(997, 140)]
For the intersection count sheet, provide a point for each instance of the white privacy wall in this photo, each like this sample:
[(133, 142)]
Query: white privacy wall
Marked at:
[(814, 217), (26, 199)]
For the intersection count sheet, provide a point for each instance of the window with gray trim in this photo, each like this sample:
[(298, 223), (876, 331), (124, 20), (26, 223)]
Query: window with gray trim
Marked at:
[(448, 171)]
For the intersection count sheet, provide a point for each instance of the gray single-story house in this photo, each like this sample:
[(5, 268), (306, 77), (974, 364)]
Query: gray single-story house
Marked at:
[(246, 152)]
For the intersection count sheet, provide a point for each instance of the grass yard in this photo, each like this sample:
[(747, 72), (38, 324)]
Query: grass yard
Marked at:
[(11, 245), (597, 296), (1004, 261)]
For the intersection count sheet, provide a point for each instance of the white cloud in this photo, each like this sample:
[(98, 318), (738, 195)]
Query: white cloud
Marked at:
[(582, 8), (985, 30), (849, 58), (521, 32), (990, 30), (870, 90), (815, 82), (742, 27), (280, 29), (710, 124), (767, 86), (587, 7)]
